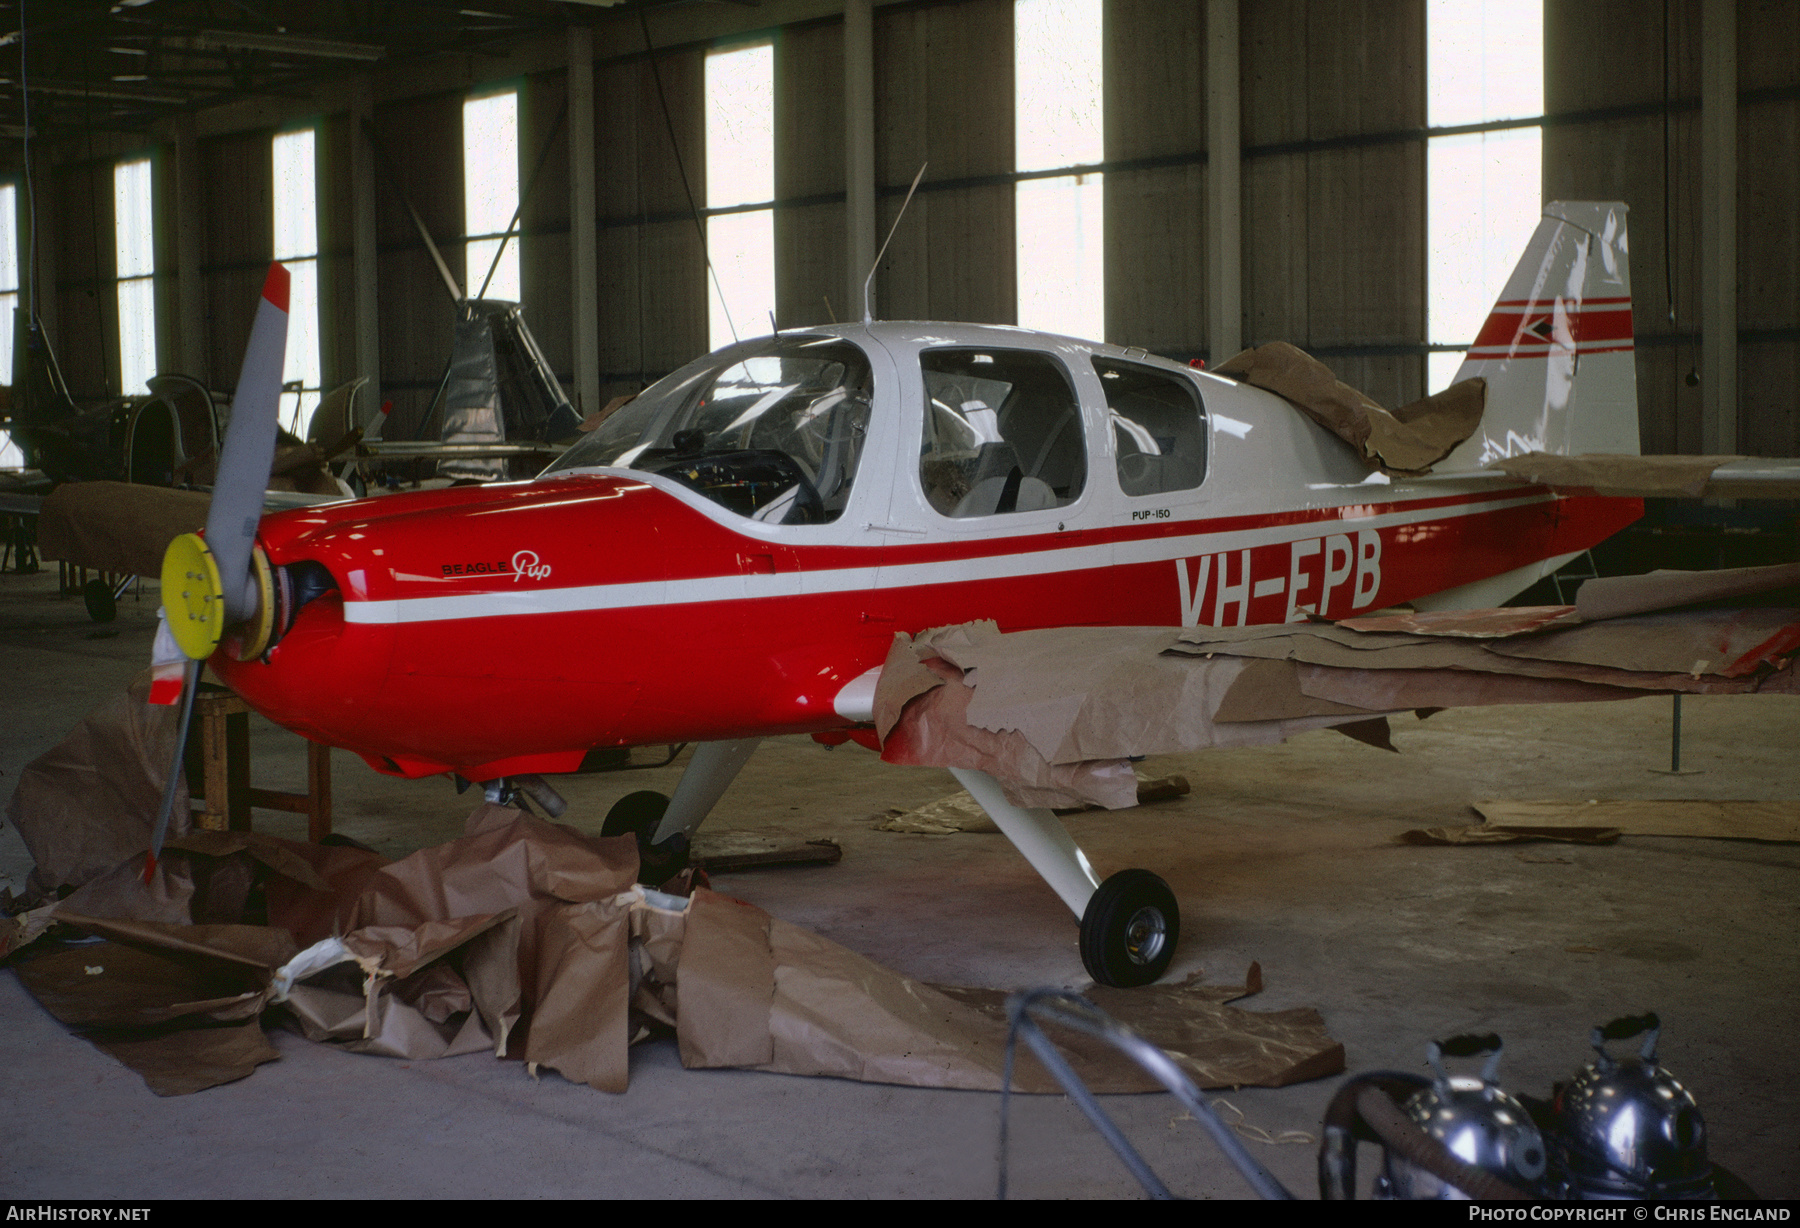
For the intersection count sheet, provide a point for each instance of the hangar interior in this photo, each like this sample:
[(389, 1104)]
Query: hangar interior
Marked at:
[(1260, 172)]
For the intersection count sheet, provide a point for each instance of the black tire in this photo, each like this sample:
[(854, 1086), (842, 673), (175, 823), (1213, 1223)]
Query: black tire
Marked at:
[(97, 595), (637, 814), (1130, 928)]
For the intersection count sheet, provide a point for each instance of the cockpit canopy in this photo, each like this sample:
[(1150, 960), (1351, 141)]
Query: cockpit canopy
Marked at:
[(772, 429)]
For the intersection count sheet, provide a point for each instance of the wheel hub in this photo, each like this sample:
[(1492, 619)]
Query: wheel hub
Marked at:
[(1145, 934)]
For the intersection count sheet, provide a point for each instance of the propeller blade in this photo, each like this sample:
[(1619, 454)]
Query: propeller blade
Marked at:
[(206, 584), (190, 684), (249, 447)]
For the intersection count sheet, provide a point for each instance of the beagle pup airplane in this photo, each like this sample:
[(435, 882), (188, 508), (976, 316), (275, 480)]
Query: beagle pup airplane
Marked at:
[(729, 555)]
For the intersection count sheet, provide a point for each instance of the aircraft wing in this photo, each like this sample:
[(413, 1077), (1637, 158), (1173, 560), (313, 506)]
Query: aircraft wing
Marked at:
[(1649, 477), (1057, 715), (125, 527)]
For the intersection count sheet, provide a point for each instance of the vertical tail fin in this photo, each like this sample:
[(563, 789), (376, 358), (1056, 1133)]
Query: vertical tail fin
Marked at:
[(1556, 351)]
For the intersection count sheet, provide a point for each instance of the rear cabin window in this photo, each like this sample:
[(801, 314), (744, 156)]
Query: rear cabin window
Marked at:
[(1002, 433), (1159, 435)]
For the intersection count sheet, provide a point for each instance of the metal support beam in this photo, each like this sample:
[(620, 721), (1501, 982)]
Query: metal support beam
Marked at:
[(1224, 197), (194, 357), (859, 154), (39, 256), (364, 260), (1040, 838), (584, 274), (1718, 228)]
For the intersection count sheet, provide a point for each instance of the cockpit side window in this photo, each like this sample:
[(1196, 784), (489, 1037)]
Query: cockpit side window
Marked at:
[(1002, 433), (772, 430), (1159, 435)]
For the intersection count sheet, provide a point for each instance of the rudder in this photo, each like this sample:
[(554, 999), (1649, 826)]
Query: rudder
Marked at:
[(1557, 349)]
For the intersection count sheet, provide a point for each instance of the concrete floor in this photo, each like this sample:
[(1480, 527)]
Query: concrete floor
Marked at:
[(1284, 855)]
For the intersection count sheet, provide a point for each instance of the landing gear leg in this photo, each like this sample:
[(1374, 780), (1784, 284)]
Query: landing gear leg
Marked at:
[(665, 826), (1129, 924), (709, 773)]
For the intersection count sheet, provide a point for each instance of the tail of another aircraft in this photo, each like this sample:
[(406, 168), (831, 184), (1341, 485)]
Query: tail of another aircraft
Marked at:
[(1556, 351)]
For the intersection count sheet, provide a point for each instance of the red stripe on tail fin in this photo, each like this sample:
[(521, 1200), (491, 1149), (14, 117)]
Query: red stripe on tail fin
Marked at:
[(275, 286)]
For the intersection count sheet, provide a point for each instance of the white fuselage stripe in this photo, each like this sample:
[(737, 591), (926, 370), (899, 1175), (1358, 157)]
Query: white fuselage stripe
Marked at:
[(525, 600)]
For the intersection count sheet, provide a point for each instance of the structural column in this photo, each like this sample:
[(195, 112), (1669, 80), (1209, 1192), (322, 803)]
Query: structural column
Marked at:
[(189, 252), (1718, 228), (1224, 200), (859, 153), (190, 248), (584, 275), (39, 255), (365, 261)]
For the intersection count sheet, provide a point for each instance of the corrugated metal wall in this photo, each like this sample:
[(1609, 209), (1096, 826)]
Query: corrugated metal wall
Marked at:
[(1333, 199)]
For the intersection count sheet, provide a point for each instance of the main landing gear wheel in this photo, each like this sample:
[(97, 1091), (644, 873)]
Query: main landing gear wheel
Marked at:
[(1130, 928), (97, 596), (637, 814)]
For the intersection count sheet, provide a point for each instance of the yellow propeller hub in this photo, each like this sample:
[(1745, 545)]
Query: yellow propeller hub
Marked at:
[(193, 596)]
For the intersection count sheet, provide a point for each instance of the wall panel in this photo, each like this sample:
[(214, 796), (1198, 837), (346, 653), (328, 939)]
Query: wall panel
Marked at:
[(943, 95)]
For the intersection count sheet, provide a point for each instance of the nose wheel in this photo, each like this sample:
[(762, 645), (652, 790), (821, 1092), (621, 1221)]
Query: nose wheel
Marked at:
[(638, 814), (1129, 929)]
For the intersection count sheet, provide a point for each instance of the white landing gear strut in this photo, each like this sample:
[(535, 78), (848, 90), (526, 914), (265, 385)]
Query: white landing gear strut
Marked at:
[(1129, 924), (665, 826)]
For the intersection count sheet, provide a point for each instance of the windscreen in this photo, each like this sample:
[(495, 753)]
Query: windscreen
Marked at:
[(772, 429)]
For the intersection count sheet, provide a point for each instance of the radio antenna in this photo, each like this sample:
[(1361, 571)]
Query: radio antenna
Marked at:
[(867, 317)]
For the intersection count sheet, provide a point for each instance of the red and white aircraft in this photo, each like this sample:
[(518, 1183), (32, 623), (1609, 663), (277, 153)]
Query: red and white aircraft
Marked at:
[(728, 556)]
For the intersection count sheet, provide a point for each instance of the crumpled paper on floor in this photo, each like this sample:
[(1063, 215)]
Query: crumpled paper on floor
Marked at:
[(532, 939), (959, 812), (179, 1004), (1509, 833), (832, 1012), (1728, 820), (90, 801)]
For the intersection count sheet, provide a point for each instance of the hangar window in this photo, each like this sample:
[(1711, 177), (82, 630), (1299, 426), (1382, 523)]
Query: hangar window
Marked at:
[(1484, 65), (134, 246), (740, 186), (491, 196), (1002, 433), (1059, 217), (1159, 440), (297, 247)]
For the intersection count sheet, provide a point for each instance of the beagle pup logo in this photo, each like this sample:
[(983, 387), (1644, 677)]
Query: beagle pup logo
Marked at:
[(525, 563)]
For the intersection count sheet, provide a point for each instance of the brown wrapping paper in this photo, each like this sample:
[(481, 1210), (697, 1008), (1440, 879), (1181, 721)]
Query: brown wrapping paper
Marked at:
[(1604, 474), (1509, 834), (1726, 820), (832, 1012), (419, 978), (1407, 441), (579, 1021), (726, 984), (1619, 596), (1036, 708), (1730, 643), (177, 1003), (934, 730), (117, 526), (90, 801)]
